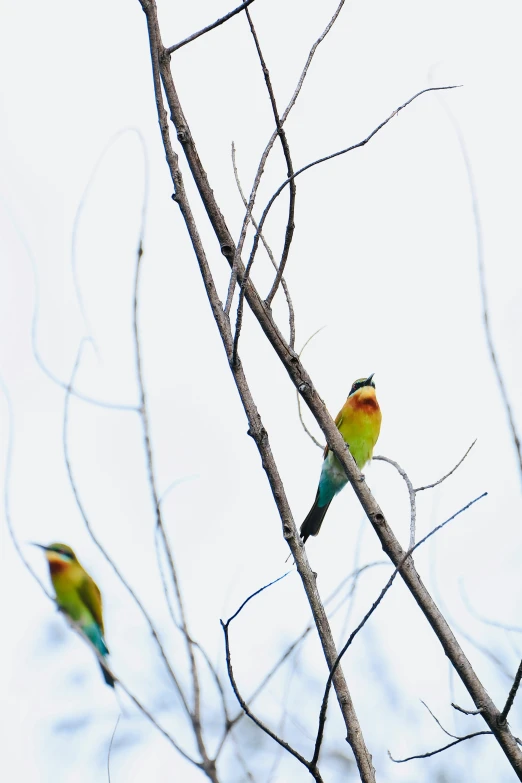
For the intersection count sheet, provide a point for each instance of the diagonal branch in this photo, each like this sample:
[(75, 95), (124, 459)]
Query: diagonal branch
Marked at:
[(512, 694), (407, 555), (160, 69), (209, 27)]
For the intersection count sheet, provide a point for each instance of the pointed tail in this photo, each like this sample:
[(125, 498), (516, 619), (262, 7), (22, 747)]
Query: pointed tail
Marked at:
[(107, 676), (314, 520)]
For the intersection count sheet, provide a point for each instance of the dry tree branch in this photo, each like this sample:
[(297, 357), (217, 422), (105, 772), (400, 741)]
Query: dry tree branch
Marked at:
[(290, 226), (209, 27), (291, 315), (310, 435), (439, 750), (465, 712), (411, 493), (99, 545), (483, 288), (103, 662), (162, 76), (326, 158), (284, 116), (289, 232), (195, 713), (310, 766), (267, 150), (436, 483), (302, 636), (512, 694), (407, 555)]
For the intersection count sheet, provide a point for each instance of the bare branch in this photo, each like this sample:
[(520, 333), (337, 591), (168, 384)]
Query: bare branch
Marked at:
[(437, 721), (266, 152), (324, 705), (411, 493), (312, 437), (439, 750), (291, 315), (483, 289), (311, 766), (466, 712), (97, 542), (512, 694), (209, 27), (459, 463), (331, 157), (162, 75), (289, 232)]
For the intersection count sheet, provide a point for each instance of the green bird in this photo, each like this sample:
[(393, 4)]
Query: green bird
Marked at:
[(359, 422), (78, 596)]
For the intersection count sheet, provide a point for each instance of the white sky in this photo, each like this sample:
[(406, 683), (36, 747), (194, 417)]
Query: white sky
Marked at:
[(384, 257)]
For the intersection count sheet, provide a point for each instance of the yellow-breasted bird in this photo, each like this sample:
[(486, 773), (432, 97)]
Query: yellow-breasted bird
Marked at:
[(359, 422), (78, 596)]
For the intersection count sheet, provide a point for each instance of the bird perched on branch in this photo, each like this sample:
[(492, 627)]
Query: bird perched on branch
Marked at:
[(359, 422), (77, 596)]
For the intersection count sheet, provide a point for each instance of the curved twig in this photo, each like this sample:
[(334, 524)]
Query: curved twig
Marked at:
[(483, 288), (323, 160), (411, 493), (439, 750)]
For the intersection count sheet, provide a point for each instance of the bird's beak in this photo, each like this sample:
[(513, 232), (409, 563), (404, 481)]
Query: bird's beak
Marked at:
[(41, 546), (368, 380)]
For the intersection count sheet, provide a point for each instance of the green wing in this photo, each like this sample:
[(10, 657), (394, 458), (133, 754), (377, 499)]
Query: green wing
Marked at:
[(91, 596)]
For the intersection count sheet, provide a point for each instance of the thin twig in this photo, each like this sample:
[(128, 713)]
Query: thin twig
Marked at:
[(266, 152), (512, 694), (209, 27), (312, 767), (411, 493), (483, 288), (99, 545), (289, 232), (110, 748), (195, 713), (331, 157), (291, 314), (437, 721), (466, 712), (312, 437), (459, 463), (439, 750)]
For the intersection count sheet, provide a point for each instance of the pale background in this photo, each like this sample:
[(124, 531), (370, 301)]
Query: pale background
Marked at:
[(384, 256)]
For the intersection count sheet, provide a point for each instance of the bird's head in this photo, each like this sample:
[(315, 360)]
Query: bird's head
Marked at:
[(58, 553), (360, 383)]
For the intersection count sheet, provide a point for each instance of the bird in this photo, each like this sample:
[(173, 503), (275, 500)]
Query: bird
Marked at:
[(78, 596), (359, 422)]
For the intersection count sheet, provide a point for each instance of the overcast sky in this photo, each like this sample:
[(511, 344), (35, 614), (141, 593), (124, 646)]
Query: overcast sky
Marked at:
[(384, 257)]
